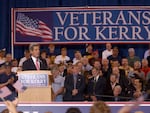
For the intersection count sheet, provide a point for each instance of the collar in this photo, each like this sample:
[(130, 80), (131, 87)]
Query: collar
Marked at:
[(34, 58), (96, 77)]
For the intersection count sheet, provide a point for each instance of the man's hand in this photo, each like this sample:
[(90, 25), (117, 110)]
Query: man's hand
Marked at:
[(74, 92), (93, 98), (10, 81)]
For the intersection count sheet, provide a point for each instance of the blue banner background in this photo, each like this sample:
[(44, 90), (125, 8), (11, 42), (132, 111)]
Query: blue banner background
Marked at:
[(114, 24)]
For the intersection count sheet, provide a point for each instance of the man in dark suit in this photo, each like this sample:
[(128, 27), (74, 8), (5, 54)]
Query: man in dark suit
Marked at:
[(121, 78), (96, 85), (74, 86), (34, 63)]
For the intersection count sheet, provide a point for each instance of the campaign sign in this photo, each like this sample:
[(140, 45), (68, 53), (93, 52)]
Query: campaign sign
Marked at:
[(33, 79), (76, 25)]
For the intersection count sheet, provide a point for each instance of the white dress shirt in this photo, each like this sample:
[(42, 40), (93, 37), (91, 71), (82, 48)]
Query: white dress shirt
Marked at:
[(21, 61), (147, 53), (106, 53), (75, 61), (35, 60), (61, 59)]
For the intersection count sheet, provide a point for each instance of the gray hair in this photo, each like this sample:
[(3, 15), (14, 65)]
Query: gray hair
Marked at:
[(32, 45), (55, 69), (131, 50)]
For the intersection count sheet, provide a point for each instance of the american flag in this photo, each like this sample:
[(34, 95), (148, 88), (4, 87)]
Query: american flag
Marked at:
[(19, 86), (32, 27), (4, 92)]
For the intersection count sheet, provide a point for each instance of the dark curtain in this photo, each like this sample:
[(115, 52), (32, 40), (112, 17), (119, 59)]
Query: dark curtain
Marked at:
[(5, 20)]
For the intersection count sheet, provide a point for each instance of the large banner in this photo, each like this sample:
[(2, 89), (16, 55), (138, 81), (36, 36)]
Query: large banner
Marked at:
[(72, 25)]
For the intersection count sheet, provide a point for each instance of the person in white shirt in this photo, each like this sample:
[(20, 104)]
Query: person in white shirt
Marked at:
[(77, 57), (86, 65), (57, 85), (63, 58), (147, 53), (107, 52), (26, 56)]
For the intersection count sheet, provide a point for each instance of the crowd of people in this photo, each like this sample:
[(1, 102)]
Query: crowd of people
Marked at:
[(86, 77)]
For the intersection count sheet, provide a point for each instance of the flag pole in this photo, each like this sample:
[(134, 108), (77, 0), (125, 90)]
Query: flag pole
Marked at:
[(12, 32)]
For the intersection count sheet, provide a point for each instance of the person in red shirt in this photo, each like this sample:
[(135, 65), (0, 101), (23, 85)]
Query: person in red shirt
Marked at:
[(145, 67)]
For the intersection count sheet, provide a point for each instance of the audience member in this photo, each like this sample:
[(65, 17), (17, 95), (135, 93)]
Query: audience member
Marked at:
[(81, 68), (115, 55), (26, 56), (138, 84), (95, 57), (74, 86), (57, 85), (115, 63), (106, 69), (121, 78), (14, 66), (43, 56), (68, 70), (148, 58), (132, 58), (117, 93), (106, 53), (99, 107), (97, 64), (11, 107), (63, 58), (111, 85), (138, 71), (145, 67), (147, 53), (8, 57), (96, 85), (7, 79), (73, 110), (131, 89), (86, 65), (62, 70), (51, 55), (89, 51), (77, 57), (125, 66), (52, 51)]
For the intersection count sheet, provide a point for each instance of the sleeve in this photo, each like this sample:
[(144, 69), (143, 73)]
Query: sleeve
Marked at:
[(81, 89), (67, 83), (56, 61), (62, 82)]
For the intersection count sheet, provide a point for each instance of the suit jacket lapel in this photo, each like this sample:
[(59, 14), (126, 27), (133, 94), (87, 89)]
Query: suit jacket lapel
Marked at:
[(33, 65)]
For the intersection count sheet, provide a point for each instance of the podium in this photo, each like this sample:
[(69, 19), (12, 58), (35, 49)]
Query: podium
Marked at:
[(38, 85)]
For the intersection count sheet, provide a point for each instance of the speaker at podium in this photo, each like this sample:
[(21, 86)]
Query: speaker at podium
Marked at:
[(38, 85)]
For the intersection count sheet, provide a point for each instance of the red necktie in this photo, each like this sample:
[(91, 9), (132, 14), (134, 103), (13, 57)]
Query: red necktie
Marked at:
[(37, 65)]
